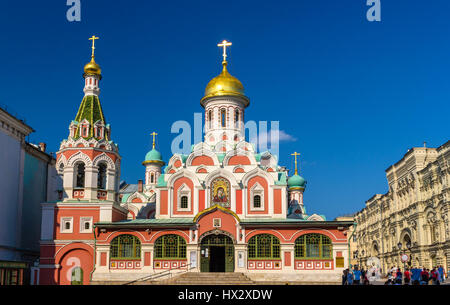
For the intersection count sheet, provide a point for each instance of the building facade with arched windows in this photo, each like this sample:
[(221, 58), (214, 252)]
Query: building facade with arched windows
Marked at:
[(412, 217), (224, 207)]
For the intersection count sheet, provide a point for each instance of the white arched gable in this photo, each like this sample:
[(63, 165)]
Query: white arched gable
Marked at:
[(79, 156), (268, 160), (132, 208), (199, 153), (173, 159), (244, 144), (137, 195), (62, 160), (315, 217), (239, 152), (104, 157), (220, 172), (218, 147), (255, 173), (201, 146), (107, 145), (183, 173)]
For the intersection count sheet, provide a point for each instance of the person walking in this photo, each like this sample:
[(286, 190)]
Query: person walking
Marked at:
[(344, 277), (356, 276), (435, 276), (415, 277), (441, 273), (398, 278), (424, 278), (349, 278), (407, 278)]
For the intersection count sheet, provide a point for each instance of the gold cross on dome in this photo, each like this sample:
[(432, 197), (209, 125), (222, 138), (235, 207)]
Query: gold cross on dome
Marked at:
[(154, 134), (295, 154), (224, 44), (93, 38)]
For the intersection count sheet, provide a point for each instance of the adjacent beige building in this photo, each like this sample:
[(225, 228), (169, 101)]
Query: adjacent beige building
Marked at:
[(413, 214)]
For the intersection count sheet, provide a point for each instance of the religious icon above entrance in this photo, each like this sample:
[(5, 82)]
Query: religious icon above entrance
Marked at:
[(220, 192)]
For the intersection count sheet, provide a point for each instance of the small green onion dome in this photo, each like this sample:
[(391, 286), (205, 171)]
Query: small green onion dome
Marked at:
[(153, 156), (296, 181)]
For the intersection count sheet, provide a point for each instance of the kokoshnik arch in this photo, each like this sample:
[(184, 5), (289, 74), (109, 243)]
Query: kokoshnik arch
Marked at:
[(222, 208)]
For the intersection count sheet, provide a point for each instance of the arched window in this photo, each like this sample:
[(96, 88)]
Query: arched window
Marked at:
[(264, 246), (126, 247), (236, 118), (184, 202), (210, 117), (61, 169), (313, 246), (152, 178), (80, 174), (223, 117), (257, 201), (170, 246), (77, 276), (101, 182)]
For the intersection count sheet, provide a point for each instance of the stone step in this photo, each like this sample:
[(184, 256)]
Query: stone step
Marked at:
[(211, 278)]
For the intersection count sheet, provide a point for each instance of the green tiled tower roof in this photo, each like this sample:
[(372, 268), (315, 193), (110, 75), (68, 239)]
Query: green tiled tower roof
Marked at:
[(90, 110)]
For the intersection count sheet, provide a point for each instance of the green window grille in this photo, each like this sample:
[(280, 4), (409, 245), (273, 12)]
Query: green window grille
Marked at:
[(170, 246), (264, 246), (184, 202), (313, 246), (257, 201), (126, 247)]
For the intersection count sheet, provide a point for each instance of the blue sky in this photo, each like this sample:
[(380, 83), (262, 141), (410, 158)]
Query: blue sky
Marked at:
[(355, 95)]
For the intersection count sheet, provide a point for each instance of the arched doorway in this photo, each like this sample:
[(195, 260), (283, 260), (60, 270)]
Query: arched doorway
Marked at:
[(217, 253)]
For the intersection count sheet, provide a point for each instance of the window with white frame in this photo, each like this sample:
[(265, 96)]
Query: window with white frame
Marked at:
[(217, 222), (184, 198), (66, 225), (257, 198), (85, 224)]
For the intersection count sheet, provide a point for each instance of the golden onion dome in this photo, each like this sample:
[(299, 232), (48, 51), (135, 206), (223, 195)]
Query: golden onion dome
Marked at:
[(92, 68), (224, 84)]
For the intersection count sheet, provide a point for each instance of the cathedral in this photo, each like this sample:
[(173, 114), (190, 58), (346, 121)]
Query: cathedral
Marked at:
[(224, 207)]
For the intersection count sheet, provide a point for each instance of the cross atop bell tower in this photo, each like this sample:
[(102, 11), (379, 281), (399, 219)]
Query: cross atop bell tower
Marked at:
[(93, 38)]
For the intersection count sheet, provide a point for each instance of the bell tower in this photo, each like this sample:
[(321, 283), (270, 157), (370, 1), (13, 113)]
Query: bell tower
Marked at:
[(88, 161)]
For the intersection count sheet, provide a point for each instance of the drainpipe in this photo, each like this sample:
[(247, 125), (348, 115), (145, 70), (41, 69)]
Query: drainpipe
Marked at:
[(349, 257), (95, 252)]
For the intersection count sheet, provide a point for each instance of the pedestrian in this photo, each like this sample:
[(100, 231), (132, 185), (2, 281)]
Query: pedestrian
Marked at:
[(356, 276), (344, 277), (407, 277), (415, 277), (398, 278), (435, 276), (441, 273), (424, 277), (349, 278)]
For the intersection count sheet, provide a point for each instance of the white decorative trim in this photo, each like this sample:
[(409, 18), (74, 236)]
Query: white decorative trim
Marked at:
[(79, 156), (184, 190), (62, 226), (315, 217), (257, 189), (104, 157), (84, 220)]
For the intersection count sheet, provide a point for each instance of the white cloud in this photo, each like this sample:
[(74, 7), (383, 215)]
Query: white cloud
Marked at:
[(266, 139)]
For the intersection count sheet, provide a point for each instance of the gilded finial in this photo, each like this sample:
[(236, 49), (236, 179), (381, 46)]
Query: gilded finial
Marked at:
[(295, 154), (92, 68), (154, 134), (224, 44), (93, 38)]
